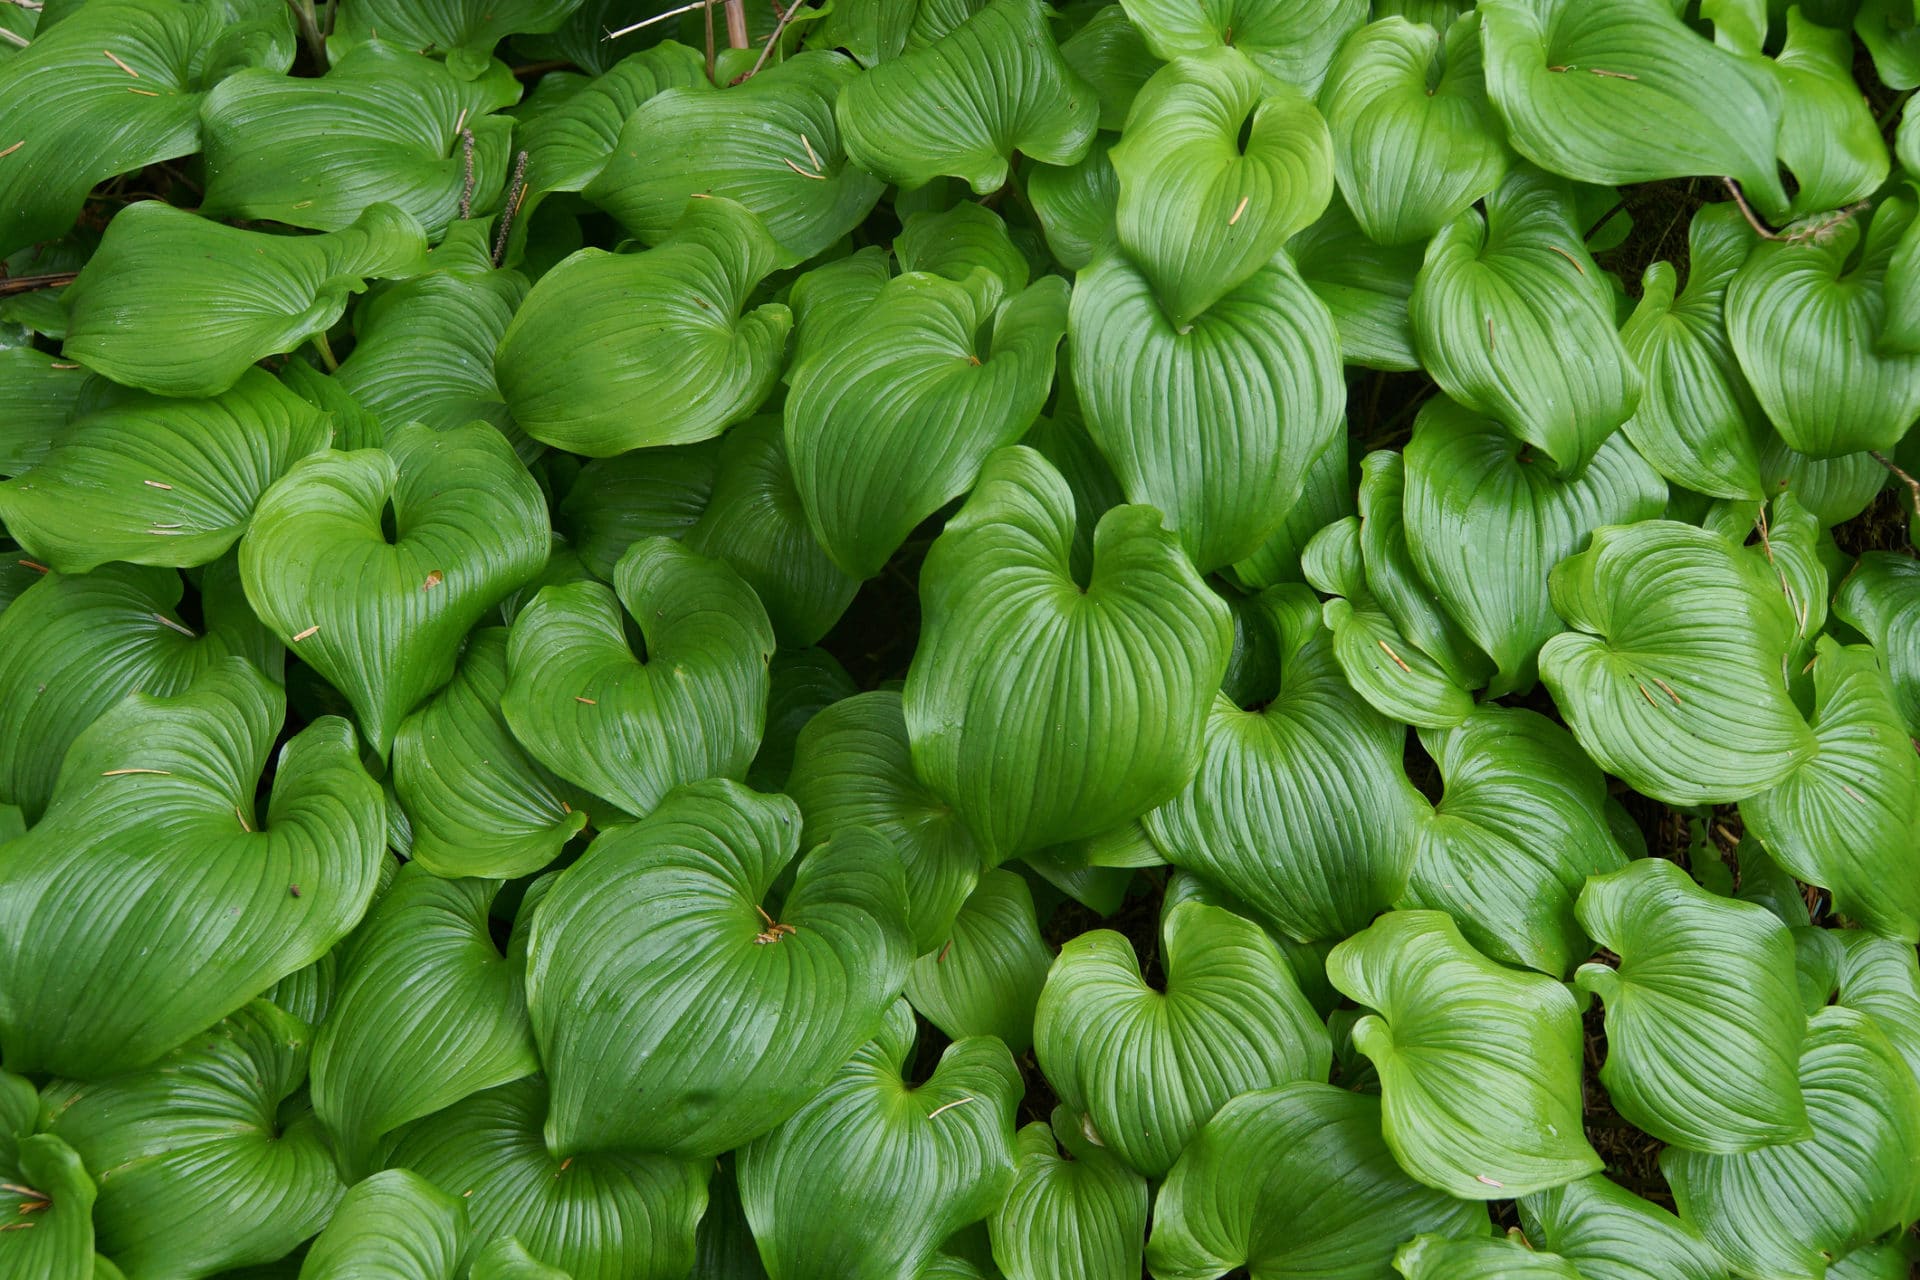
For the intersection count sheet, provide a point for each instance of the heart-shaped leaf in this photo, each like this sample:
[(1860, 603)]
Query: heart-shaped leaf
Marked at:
[(1703, 1015), (380, 614), (1200, 209), (615, 502), (617, 352), (986, 977), (616, 1216), (1881, 597), (1479, 1064), (1021, 668), (1150, 1067), (1325, 1198), (963, 104), (1673, 674), (770, 143), (1514, 321), (150, 480), (1615, 91), (1520, 828), (151, 900), (1415, 141), (1789, 1209), (197, 1170), (381, 125), (1609, 1233), (427, 1013), (478, 804), (464, 31), (917, 1161), (394, 1226), (652, 958), (1301, 807), (147, 313), (1293, 40), (1486, 522), (1828, 136), (1218, 425), (630, 727), (1074, 1212), (955, 242)]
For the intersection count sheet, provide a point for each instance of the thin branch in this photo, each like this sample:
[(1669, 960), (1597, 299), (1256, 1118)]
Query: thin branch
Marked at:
[(29, 284), (1812, 231), (658, 17), (737, 34), (707, 12), (1913, 486), (766, 49)]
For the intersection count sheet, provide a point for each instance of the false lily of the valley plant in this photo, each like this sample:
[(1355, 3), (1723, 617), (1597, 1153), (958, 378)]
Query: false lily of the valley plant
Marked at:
[(959, 640)]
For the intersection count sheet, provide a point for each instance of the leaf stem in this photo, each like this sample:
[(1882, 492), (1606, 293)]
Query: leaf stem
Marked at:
[(29, 284), (325, 349), (772, 40), (1913, 486), (309, 23)]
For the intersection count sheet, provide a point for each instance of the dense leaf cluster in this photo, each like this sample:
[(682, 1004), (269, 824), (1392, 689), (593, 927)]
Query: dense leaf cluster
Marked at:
[(783, 643)]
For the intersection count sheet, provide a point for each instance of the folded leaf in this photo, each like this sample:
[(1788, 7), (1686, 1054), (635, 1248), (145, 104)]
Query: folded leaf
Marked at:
[(147, 313), (47, 1179), (986, 977), (1609, 1233), (652, 962), (1293, 40), (465, 31), (955, 242), (1616, 91), (1789, 1209), (1078, 203), (571, 141), (1515, 322), (1828, 136), (151, 900), (1505, 1257), (1301, 807), (381, 615), (157, 481), (1881, 598), (801, 683), (1074, 1212), (617, 352), (916, 1161), (1041, 709), (1415, 141), (1673, 674), (1881, 978), (616, 1216), (1325, 1198), (617, 501), (1149, 1067), (770, 143), (962, 105), (197, 1170), (394, 1226), (1365, 286), (629, 728), (1520, 828), (896, 415), (1111, 55), (1202, 208), (1479, 1064), (1217, 425)]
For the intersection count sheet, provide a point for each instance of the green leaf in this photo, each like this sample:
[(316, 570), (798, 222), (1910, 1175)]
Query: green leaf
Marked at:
[(197, 1170), (1673, 673), (617, 352), (428, 1012), (1006, 697), (1301, 807), (43, 1172), (1520, 828), (1293, 40), (770, 143), (1074, 1212), (1828, 136), (151, 900), (652, 960), (1486, 522), (617, 501), (1789, 1209), (617, 1216), (1806, 317), (157, 481), (955, 242), (1150, 1067), (853, 767), (1507, 1257), (1295, 1183), (1891, 38), (1215, 426), (962, 105), (1848, 819), (1698, 423), (1618, 91), (465, 31), (986, 977), (71, 109), (394, 1226), (1200, 210), (801, 684), (1077, 204), (894, 417), (569, 143), (1881, 598), (381, 615), (726, 1246), (1881, 978), (1415, 141), (381, 125), (146, 312), (479, 805), (1479, 1064), (38, 394), (1514, 321), (1365, 286), (1111, 55), (915, 1161), (630, 727), (1326, 497), (1704, 1022), (1609, 1233)]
